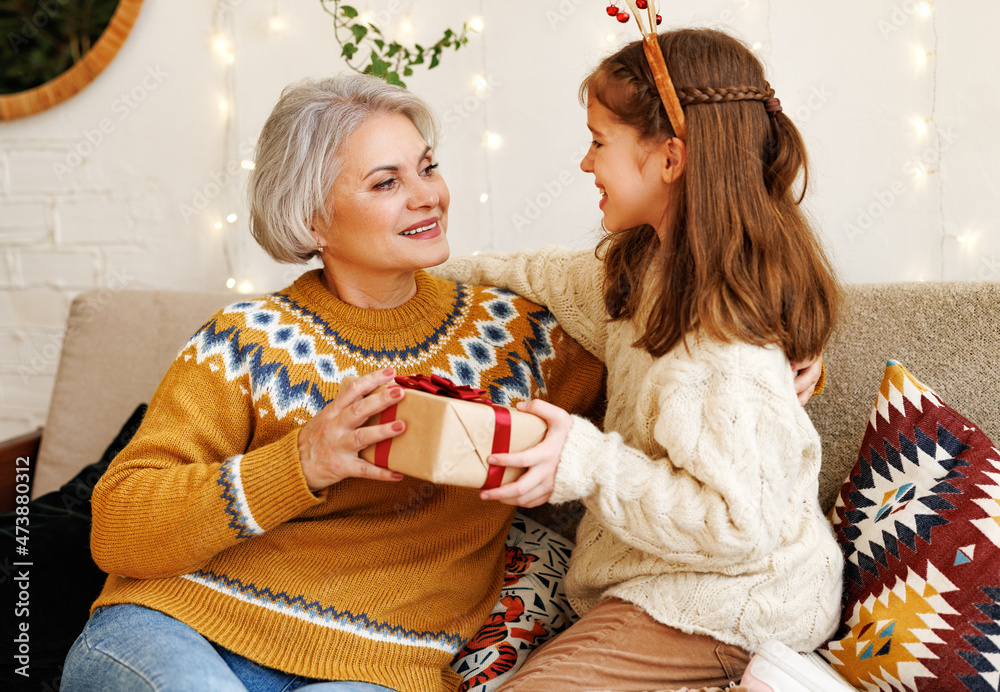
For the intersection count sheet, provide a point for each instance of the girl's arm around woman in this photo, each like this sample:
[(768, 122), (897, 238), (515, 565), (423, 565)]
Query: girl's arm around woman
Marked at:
[(567, 282)]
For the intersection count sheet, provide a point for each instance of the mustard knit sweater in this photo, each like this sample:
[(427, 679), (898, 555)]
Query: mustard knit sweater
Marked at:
[(206, 516), (701, 495)]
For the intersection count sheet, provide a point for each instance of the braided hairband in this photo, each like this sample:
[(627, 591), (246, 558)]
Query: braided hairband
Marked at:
[(673, 99), (693, 96)]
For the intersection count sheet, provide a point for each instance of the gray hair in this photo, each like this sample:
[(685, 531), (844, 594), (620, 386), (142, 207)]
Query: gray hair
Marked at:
[(298, 154)]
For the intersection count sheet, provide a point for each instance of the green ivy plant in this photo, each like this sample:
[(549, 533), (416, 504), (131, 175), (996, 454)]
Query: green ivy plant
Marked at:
[(387, 59)]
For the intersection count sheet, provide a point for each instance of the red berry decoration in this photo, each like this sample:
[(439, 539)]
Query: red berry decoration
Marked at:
[(641, 4), (623, 17), (659, 19), (612, 10)]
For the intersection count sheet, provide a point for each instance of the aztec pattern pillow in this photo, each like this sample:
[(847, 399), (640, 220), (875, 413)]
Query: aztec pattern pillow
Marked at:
[(919, 522), (532, 607)]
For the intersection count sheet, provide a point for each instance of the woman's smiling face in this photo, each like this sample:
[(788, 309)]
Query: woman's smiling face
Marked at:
[(389, 204)]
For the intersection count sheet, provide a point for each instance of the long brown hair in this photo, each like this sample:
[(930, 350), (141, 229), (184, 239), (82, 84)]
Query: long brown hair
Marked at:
[(740, 260)]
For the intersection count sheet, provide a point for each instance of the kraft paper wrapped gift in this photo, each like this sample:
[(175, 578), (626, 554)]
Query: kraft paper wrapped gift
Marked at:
[(450, 434)]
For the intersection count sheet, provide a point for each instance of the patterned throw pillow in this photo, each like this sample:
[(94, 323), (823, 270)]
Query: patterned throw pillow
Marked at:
[(532, 607), (919, 522)]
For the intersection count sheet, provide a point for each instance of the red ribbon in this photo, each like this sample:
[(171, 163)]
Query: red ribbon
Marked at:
[(442, 386)]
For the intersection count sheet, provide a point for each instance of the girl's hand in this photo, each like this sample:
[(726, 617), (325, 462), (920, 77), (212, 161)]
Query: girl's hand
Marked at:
[(330, 442), (807, 374), (535, 486)]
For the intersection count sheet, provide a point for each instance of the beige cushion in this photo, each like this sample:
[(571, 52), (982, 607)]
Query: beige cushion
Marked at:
[(949, 333), (118, 346)]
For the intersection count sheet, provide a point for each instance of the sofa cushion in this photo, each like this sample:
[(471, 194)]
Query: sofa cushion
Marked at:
[(919, 522), (118, 346), (532, 607), (945, 330), (63, 578)]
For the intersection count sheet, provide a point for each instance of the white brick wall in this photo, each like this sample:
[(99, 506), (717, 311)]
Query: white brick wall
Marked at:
[(60, 233), (41, 167), (94, 219)]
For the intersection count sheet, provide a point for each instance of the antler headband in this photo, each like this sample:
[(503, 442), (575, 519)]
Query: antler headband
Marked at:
[(651, 46), (673, 98)]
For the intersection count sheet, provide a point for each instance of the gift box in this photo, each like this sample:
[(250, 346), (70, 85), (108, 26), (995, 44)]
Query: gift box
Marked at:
[(451, 431)]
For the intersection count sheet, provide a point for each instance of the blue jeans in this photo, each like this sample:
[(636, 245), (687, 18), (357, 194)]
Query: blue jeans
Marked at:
[(132, 648)]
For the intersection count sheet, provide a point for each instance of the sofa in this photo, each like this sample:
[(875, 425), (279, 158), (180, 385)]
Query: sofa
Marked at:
[(118, 344)]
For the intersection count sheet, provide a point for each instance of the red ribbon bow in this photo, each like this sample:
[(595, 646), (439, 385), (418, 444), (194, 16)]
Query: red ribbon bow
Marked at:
[(442, 386)]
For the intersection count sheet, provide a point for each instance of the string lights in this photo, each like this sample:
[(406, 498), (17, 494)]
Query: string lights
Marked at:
[(224, 47), (929, 162)]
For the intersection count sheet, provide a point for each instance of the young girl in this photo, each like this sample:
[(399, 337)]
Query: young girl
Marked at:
[(703, 536)]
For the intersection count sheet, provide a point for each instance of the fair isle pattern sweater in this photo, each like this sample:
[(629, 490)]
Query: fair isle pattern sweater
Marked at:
[(206, 516), (701, 496)]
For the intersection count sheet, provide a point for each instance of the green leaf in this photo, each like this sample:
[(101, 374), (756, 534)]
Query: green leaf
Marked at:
[(348, 11), (359, 32), (393, 49), (349, 50), (393, 78), (375, 29), (435, 60), (380, 68), (419, 60), (380, 43), (407, 71)]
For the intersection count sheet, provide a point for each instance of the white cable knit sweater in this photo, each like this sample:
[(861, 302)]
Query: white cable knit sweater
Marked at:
[(702, 498)]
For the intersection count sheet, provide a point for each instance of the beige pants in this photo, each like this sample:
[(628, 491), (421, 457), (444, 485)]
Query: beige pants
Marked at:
[(617, 646)]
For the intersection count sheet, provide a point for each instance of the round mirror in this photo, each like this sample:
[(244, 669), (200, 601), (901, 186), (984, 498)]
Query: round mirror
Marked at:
[(54, 48)]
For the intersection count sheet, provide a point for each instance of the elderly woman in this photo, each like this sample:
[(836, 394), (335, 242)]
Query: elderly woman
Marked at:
[(248, 545)]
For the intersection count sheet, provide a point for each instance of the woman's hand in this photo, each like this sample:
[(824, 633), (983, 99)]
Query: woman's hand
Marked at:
[(807, 374), (330, 442), (535, 486)]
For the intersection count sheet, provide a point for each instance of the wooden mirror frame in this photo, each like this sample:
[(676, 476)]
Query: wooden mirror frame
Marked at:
[(73, 80)]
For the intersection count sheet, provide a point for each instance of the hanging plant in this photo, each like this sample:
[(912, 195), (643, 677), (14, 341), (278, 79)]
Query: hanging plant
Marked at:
[(377, 56)]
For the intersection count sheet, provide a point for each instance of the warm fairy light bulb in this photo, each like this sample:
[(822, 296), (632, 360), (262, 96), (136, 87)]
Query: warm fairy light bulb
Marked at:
[(492, 140), (481, 84), (248, 165), (277, 24), (221, 45), (483, 197), (231, 282), (218, 225), (611, 38), (924, 8), (476, 24), (231, 218), (921, 56), (920, 125), (919, 172), (223, 105), (406, 25), (757, 45), (245, 287)]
